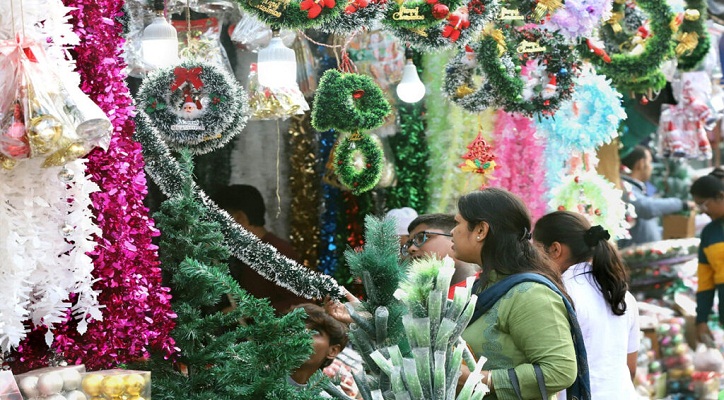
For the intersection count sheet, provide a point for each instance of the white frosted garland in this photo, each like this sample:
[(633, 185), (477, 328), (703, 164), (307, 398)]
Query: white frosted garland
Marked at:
[(46, 266)]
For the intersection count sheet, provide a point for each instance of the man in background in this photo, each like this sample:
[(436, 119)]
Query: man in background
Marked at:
[(430, 236), (648, 209), (245, 204)]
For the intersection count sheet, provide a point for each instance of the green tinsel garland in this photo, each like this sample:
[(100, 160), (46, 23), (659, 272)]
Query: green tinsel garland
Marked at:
[(348, 103), (355, 17), (503, 73), (223, 114), (358, 179), (694, 25), (626, 70), (418, 14), (411, 154), (263, 258), (290, 14), (441, 36)]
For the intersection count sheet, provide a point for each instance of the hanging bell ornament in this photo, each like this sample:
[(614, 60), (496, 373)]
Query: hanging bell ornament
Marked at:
[(66, 230), (66, 175), (91, 124)]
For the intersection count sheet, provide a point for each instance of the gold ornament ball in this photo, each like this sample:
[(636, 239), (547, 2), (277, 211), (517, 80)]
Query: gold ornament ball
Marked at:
[(135, 384), (44, 132), (92, 384), (112, 386), (692, 15)]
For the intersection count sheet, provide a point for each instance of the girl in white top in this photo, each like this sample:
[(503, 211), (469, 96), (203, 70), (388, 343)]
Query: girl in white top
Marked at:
[(597, 281)]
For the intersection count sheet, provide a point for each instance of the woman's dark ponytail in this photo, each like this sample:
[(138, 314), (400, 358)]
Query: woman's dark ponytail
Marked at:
[(585, 243)]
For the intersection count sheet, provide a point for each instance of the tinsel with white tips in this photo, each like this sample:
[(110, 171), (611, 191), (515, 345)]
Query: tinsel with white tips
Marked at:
[(47, 229)]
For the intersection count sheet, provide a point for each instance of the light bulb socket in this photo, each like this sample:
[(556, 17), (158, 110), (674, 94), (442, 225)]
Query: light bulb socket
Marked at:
[(409, 53)]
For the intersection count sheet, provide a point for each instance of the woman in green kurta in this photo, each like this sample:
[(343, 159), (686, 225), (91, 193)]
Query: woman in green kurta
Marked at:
[(529, 326)]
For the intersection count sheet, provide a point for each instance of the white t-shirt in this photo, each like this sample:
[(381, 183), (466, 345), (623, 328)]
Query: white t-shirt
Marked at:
[(609, 338)]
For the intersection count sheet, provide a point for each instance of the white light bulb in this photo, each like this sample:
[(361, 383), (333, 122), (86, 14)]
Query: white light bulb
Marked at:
[(410, 89), (160, 44), (277, 65)]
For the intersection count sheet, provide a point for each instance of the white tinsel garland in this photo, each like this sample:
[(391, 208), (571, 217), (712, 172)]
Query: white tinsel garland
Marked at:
[(47, 227)]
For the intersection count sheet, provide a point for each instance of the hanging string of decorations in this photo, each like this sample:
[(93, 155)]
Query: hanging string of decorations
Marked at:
[(634, 65), (357, 15)]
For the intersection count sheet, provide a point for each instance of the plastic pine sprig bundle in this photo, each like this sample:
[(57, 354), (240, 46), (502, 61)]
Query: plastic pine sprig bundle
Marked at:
[(433, 328)]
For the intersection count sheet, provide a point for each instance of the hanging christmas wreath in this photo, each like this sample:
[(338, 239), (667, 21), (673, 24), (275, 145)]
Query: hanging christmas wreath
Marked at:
[(461, 76), (358, 161), (195, 105), (639, 58), (348, 102), (692, 40), (293, 14), (357, 15), (594, 197), (530, 70), (456, 28)]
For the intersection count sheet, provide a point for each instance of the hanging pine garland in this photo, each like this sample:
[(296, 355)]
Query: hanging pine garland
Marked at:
[(293, 14), (348, 102), (637, 70), (195, 105), (692, 39), (358, 162)]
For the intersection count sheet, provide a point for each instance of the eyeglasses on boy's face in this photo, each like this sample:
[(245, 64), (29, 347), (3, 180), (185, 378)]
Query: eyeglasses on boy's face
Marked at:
[(702, 206), (419, 239)]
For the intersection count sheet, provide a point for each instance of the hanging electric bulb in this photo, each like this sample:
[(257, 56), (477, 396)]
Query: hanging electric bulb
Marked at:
[(277, 64), (160, 41), (410, 89)]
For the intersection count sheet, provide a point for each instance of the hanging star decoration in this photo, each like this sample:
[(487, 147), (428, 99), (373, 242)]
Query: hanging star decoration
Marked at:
[(479, 159)]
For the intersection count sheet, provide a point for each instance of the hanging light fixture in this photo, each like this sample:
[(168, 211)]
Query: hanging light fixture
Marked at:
[(410, 89), (277, 64), (160, 41)]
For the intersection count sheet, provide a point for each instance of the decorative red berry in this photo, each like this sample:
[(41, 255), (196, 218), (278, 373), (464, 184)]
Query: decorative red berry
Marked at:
[(561, 208)]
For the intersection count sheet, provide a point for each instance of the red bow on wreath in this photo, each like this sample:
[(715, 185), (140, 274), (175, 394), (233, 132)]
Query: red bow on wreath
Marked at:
[(315, 7), (184, 75)]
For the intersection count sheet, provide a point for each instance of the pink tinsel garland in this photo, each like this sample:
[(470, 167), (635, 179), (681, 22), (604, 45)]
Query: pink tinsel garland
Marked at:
[(138, 315), (519, 161)]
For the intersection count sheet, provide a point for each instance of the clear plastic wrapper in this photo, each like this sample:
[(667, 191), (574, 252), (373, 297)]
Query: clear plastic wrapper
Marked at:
[(251, 34), (52, 381), (116, 384), (8, 388), (274, 103)]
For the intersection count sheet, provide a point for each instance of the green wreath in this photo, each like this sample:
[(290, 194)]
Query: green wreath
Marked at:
[(692, 33), (348, 103), (457, 29), (195, 105), (418, 14), (352, 150), (518, 47), (459, 83), (628, 71), (294, 14), (357, 15)]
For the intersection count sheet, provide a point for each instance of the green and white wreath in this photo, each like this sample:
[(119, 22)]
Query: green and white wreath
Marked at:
[(465, 83), (196, 106), (357, 15), (358, 161)]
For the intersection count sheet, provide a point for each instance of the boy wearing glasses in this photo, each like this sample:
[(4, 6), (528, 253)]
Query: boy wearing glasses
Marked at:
[(430, 236)]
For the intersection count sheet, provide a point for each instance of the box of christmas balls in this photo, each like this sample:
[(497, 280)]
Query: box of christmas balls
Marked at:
[(52, 383), (115, 384)]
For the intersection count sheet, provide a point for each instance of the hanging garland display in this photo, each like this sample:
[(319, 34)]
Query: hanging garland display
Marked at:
[(348, 102), (692, 39), (358, 161), (357, 15), (635, 64), (455, 28), (293, 14), (460, 78), (263, 258), (577, 18), (196, 106), (595, 198), (530, 70)]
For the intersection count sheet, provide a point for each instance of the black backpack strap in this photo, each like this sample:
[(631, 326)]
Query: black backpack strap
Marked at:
[(541, 381), (514, 381)]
